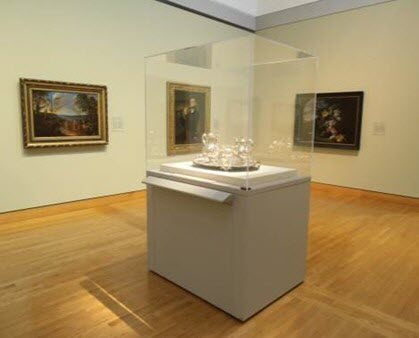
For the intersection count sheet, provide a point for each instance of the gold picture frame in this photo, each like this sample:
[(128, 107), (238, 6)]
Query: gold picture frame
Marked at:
[(188, 117), (57, 114)]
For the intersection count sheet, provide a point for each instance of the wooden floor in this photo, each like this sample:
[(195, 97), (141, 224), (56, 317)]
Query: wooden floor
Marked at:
[(80, 269)]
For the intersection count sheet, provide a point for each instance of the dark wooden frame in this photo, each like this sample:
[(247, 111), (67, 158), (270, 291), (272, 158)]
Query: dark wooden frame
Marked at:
[(299, 140)]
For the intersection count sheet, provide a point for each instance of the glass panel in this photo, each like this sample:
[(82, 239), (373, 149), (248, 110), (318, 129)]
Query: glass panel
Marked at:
[(248, 99)]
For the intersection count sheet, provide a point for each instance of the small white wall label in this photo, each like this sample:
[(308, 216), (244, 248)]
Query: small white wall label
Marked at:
[(117, 123), (379, 128)]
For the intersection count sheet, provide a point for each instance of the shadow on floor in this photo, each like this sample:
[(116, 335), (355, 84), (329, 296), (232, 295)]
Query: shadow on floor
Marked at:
[(148, 303)]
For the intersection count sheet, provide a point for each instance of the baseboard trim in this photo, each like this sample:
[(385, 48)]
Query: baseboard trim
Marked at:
[(69, 206), (370, 193), (94, 202)]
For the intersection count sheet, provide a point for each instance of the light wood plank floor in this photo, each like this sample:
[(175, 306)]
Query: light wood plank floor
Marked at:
[(79, 269)]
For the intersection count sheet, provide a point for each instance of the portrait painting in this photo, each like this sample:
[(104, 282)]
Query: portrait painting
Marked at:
[(63, 114), (188, 117), (337, 120)]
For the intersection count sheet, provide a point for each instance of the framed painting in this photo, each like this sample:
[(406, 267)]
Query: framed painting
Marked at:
[(188, 117), (59, 114), (338, 118), (303, 126)]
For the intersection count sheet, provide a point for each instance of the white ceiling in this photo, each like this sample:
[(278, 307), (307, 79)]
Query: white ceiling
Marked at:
[(261, 7), (246, 6)]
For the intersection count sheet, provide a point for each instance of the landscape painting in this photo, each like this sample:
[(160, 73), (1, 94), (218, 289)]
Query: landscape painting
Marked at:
[(63, 114)]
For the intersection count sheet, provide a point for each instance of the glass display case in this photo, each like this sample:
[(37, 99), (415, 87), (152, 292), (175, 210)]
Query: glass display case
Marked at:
[(229, 144), (238, 112)]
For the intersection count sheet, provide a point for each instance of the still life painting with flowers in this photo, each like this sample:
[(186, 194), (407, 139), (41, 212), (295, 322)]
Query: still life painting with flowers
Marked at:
[(338, 118)]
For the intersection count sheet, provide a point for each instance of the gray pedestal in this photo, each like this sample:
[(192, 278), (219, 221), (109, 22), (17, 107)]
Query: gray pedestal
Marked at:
[(238, 250)]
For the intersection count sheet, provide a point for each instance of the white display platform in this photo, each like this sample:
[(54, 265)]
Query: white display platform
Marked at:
[(264, 174)]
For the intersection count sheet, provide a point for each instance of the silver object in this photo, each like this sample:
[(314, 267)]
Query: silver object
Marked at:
[(237, 157)]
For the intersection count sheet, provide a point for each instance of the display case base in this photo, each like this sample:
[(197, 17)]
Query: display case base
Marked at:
[(240, 252)]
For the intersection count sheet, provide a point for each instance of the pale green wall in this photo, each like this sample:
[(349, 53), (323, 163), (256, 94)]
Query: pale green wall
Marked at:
[(374, 49), (86, 41)]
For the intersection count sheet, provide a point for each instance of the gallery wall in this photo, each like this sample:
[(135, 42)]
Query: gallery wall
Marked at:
[(96, 42), (374, 49)]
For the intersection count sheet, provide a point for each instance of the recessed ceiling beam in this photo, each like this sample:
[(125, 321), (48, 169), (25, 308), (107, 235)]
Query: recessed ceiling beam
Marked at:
[(310, 11), (221, 12), (216, 11)]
